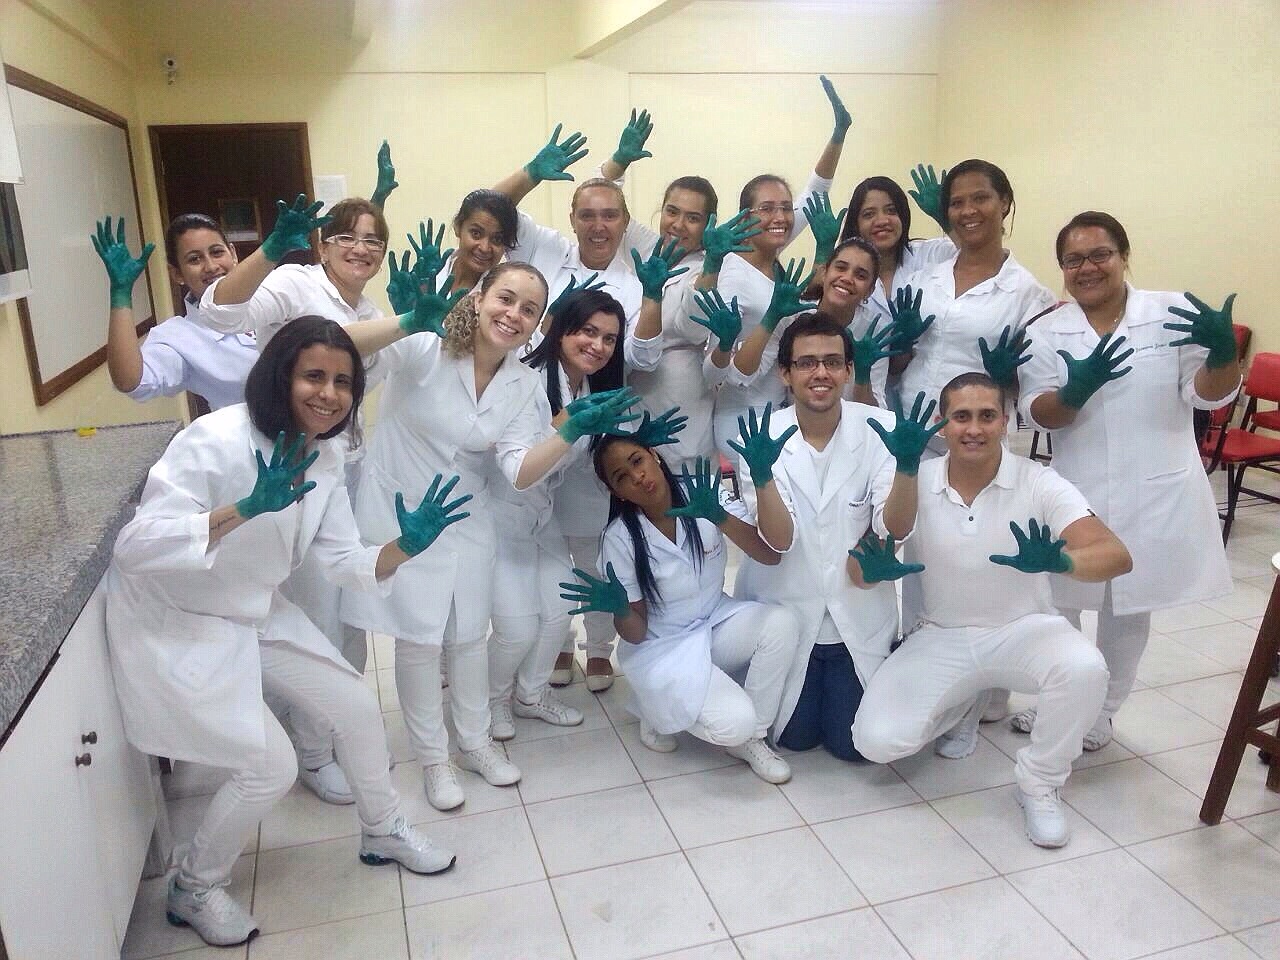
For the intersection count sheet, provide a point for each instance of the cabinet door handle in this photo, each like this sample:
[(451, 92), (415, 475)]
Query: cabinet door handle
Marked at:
[(90, 737), (84, 760)]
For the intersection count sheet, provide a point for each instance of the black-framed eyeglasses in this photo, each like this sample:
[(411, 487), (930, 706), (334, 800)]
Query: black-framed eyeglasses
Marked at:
[(1074, 261), (832, 361)]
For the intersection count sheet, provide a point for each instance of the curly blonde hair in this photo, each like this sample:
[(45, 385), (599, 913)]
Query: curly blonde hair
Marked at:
[(461, 322)]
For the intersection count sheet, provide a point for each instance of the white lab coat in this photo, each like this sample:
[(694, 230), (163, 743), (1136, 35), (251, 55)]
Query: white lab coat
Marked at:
[(918, 255), (429, 423), (828, 519), (1131, 451), (184, 619)]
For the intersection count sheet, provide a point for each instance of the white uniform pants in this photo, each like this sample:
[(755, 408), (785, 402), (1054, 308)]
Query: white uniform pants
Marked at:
[(321, 689), (928, 683), (1122, 640), (761, 638), (529, 624), (584, 551), (421, 700)]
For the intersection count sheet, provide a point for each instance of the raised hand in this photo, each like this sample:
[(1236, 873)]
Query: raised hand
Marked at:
[(824, 224), (594, 595), (588, 284), (759, 450), (654, 273), (660, 431), (631, 143), (551, 161), (723, 320), (910, 434), (842, 119), (123, 270), (702, 494), (1087, 376), (429, 258), (386, 177), (729, 237), (605, 416), (1003, 360), (928, 193), (276, 487), (1207, 328), (420, 528), (1037, 552), (402, 287), (788, 290), (872, 347), (907, 326), (293, 227), (878, 561), (431, 307)]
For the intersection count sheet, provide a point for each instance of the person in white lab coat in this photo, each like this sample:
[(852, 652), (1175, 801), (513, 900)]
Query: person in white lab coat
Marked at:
[(182, 353), (664, 559), (199, 632), (986, 617), (834, 482), (1118, 390), (449, 403)]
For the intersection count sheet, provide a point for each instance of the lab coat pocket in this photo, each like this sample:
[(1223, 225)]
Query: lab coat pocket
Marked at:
[(202, 647)]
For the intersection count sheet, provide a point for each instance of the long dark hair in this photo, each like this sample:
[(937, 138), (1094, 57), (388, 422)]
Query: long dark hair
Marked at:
[(885, 185), (497, 205), (630, 515), (270, 382), (577, 309)]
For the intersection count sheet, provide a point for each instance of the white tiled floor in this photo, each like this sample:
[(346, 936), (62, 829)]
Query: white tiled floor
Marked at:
[(607, 850)]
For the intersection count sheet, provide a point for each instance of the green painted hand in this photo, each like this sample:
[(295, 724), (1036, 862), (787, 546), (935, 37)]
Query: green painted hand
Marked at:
[(420, 528), (660, 431), (910, 434), (276, 487), (591, 400), (788, 291), (842, 119), (878, 561), (1207, 328), (402, 287), (631, 143), (654, 273), (431, 307), (908, 328), (928, 193), (718, 241), (386, 177), (551, 161), (570, 289), (723, 320), (701, 494), (293, 228), (605, 416), (594, 595), (824, 224), (759, 450), (1003, 360), (430, 260), (1037, 552), (872, 347), (1087, 376), (123, 270)]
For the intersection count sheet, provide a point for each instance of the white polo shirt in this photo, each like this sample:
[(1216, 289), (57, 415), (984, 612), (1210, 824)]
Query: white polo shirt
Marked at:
[(960, 586), (184, 354)]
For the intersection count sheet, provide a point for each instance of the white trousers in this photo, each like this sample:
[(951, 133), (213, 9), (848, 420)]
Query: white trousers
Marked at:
[(529, 622), (584, 551), (319, 688), (422, 702), (932, 679), (762, 638), (1122, 640)]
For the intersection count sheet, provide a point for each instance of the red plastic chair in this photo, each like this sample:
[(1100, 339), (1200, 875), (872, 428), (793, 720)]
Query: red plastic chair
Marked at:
[(1255, 419)]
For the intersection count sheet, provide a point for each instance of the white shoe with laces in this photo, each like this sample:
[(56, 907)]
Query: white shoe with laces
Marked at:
[(501, 726), (328, 783), (443, 791), (549, 709), (407, 847), (1045, 818), (655, 741), (212, 913), (766, 764), (489, 762), (1023, 720), (1099, 735)]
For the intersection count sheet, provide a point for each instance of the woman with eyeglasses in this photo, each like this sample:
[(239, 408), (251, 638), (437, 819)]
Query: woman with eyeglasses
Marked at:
[(1117, 375)]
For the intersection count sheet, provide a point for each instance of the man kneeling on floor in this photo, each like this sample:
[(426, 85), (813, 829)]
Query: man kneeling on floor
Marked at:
[(990, 528)]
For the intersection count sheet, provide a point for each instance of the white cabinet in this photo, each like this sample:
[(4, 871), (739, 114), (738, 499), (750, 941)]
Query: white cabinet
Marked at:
[(76, 809)]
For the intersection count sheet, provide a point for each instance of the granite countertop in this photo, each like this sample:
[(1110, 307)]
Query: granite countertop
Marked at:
[(63, 499)]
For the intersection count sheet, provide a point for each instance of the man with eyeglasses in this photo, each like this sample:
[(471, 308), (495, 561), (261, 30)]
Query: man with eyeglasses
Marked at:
[(833, 482)]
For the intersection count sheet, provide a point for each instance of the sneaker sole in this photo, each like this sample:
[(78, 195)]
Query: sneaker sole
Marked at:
[(599, 684), (1046, 845), (502, 736), (547, 720), (559, 679), (177, 921), (376, 860), (480, 774)]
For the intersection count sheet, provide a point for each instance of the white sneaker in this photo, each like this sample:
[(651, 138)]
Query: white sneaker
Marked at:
[(962, 739), (997, 707), (328, 783), (655, 741), (490, 764), (501, 726), (407, 847), (212, 913), (1099, 736), (549, 709), (443, 791), (766, 764), (1044, 818), (1023, 721)]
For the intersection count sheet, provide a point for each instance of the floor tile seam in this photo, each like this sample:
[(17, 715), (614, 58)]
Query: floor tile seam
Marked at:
[(355, 916), (1243, 824), (546, 876), (847, 816)]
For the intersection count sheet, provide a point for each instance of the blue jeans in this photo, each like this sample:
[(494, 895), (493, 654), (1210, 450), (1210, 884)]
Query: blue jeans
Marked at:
[(828, 702)]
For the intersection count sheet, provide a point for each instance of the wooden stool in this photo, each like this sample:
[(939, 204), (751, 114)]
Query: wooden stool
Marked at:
[(1248, 718)]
